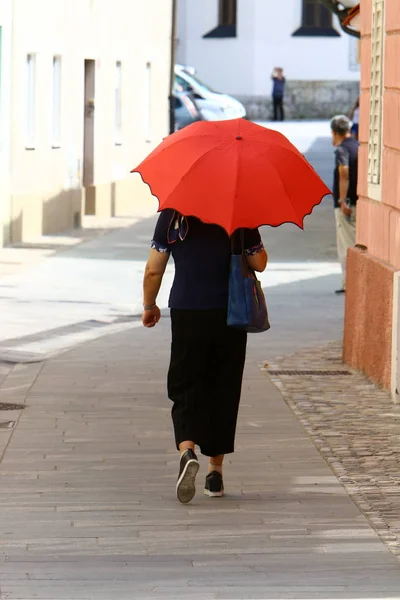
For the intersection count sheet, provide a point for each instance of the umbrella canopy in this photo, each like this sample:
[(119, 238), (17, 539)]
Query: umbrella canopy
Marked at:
[(233, 174)]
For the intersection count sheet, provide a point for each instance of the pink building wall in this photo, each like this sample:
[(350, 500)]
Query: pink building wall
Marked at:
[(369, 298)]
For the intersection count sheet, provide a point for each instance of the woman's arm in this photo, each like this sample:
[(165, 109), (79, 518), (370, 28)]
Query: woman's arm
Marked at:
[(155, 269)]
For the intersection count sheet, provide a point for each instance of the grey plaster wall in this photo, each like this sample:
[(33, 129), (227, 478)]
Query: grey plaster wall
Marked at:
[(306, 100)]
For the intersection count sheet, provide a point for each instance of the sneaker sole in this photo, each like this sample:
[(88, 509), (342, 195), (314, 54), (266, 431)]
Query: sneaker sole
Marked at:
[(186, 487), (213, 494)]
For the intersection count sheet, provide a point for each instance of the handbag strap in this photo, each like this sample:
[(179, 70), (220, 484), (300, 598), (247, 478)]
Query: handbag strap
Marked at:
[(244, 258), (235, 234)]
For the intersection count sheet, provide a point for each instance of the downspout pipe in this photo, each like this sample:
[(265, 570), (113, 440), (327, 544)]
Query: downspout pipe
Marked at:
[(172, 71), (341, 13)]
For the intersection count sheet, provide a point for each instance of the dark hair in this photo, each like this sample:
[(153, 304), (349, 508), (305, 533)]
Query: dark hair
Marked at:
[(341, 124)]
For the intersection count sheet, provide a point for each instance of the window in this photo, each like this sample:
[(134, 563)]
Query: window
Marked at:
[(181, 84), (148, 103), (316, 21), (118, 104), (315, 14), (375, 112), (30, 124), (56, 113), (227, 20)]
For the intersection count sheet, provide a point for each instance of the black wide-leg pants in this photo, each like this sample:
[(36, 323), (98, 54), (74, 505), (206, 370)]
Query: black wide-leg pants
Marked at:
[(205, 379)]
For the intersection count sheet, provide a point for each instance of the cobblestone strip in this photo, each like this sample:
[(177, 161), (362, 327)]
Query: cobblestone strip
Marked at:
[(15, 384), (355, 426)]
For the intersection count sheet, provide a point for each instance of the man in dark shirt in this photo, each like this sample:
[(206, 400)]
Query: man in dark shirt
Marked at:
[(344, 188), (278, 91)]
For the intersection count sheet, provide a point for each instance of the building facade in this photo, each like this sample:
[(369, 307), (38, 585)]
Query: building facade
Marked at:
[(235, 44), (84, 88), (372, 334)]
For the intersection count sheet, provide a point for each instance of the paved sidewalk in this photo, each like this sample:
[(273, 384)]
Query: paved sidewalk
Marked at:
[(355, 426), (88, 509), (88, 468), (19, 257)]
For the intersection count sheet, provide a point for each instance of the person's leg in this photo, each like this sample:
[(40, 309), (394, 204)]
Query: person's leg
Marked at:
[(345, 236), (275, 107), (187, 378), (354, 131), (187, 445), (214, 484), (186, 372), (188, 469), (282, 110), (226, 363), (341, 248), (215, 463)]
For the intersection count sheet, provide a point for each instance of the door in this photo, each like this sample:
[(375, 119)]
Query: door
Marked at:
[(88, 134)]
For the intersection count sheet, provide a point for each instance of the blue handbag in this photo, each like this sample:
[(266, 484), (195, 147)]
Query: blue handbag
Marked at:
[(247, 308)]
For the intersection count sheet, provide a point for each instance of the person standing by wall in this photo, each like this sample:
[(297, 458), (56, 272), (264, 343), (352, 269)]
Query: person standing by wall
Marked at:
[(355, 118), (278, 92), (344, 188)]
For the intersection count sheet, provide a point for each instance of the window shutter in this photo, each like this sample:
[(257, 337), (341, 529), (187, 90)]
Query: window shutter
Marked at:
[(375, 120)]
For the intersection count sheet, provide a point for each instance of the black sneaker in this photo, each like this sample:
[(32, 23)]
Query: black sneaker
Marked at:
[(185, 487), (214, 486)]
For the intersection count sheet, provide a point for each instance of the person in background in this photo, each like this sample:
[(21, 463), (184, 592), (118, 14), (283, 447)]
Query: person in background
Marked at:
[(278, 92), (344, 188), (355, 118)]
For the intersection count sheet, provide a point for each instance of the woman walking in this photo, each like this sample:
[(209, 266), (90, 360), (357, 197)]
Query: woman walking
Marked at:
[(232, 177), (207, 356)]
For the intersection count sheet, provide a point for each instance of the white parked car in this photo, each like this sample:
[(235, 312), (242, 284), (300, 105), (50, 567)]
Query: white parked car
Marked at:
[(217, 106)]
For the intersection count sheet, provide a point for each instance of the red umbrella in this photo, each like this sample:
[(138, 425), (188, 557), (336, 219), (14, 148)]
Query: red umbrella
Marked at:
[(234, 174)]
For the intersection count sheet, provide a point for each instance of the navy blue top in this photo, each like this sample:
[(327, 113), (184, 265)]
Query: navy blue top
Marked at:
[(278, 87), (201, 253), (346, 155)]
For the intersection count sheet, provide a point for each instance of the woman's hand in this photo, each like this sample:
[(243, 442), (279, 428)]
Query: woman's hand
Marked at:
[(346, 210), (151, 317)]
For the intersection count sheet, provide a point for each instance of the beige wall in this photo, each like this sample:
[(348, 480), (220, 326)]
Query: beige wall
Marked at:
[(46, 194), (5, 100)]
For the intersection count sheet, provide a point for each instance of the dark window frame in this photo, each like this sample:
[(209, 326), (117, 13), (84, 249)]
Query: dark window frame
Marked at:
[(227, 20), (316, 21)]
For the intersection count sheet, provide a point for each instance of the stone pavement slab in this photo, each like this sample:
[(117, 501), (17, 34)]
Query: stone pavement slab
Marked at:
[(356, 427), (88, 509)]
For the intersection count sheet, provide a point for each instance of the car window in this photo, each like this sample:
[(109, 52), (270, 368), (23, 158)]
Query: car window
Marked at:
[(183, 85), (196, 82), (178, 102)]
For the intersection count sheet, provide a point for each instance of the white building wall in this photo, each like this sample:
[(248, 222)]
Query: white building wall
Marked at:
[(227, 64), (242, 65)]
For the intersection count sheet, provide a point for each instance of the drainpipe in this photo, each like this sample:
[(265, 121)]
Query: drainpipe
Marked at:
[(342, 14), (172, 72)]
